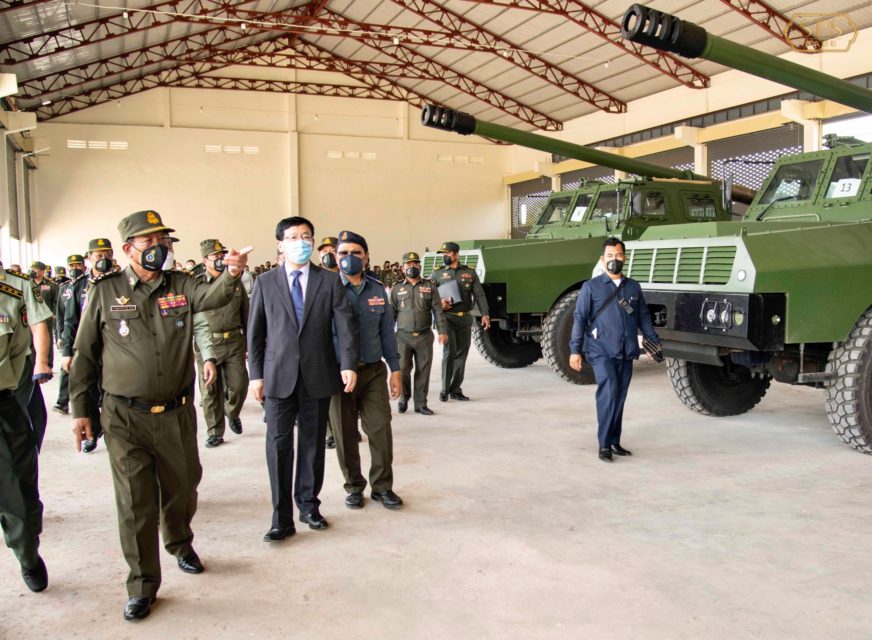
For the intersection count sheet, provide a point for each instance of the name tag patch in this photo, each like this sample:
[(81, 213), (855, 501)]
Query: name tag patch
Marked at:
[(123, 307), (426, 290), (376, 302), (172, 301)]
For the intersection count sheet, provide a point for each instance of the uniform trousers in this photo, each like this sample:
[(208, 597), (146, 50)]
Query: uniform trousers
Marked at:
[(418, 350), (613, 380), (370, 402), (227, 394), (20, 507), (455, 352), (282, 414), (156, 470), (63, 390)]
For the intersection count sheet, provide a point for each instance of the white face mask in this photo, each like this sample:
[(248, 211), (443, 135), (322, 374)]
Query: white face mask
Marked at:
[(170, 262)]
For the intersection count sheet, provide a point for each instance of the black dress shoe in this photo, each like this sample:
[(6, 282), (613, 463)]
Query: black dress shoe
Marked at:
[(443, 397), (214, 441), (330, 443), (605, 455), (424, 411), (402, 405), (354, 500), (235, 425), (620, 451), (314, 519), (137, 608), (388, 498), (58, 408), (458, 396), (36, 579), (88, 446), (191, 563), (279, 533)]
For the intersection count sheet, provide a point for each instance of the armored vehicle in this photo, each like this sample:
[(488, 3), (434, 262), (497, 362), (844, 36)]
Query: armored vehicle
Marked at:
[(532, 284), (782, 294)]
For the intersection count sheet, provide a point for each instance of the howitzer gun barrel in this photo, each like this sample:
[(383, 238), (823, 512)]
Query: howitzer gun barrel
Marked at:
[(668, 33), (465, 124)]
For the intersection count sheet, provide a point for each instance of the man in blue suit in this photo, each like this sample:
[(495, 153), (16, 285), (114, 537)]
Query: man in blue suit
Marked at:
[(294, 370), (608, 316)]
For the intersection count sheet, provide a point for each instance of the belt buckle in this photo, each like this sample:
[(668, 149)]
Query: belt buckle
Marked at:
[(227, 334), (158, 408)]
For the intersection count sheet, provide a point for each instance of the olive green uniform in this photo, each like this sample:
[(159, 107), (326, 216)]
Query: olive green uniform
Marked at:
[(416, 306), (20, 507), (65, 294), (227, 331), (49, 292), (140, 334), (459, 323)]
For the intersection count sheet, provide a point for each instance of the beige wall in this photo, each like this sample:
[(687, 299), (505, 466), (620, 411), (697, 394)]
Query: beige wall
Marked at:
[(405, 198)]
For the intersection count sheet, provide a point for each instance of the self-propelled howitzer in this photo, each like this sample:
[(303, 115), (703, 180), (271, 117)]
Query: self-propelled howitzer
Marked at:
[(782, 294), (532, 283)]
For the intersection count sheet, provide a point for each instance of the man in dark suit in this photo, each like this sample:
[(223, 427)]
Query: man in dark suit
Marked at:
[(294, 370), (608, 316)]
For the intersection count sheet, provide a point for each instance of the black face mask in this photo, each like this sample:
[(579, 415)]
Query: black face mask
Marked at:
[(413, 272), (218, 264), (74, 273), (615, 266), (154, 257), (32, 275), (446, 259), (328, 261), (103, 265)]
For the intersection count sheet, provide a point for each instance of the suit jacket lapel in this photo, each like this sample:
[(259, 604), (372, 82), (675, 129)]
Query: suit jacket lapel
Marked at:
[(312, 287), (284, 294)]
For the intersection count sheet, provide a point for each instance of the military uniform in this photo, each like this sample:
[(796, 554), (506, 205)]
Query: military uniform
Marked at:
[(227, 332), (459, 321), (49, 292), (65, 297), (369, 401), (20, 507), (416, 307), (139, 333)]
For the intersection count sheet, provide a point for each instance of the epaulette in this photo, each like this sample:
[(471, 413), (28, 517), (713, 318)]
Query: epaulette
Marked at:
[(103, 276), (374, 279), (18, 273), (84, 275)]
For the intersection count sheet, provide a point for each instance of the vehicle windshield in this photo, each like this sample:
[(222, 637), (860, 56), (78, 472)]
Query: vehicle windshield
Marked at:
[(606, 205), (794, 181), (555, 211), (581, 205), (845, 181)]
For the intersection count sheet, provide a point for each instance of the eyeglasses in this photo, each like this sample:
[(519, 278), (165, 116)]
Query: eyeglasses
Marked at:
[(299, 236)]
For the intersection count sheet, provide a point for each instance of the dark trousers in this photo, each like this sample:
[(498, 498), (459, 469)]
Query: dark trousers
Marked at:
[(418, 350), (281, 416), (370, 402), (29, 395), (613, 380), (63, 390), (20, 508), (455, 352), (155, 470)]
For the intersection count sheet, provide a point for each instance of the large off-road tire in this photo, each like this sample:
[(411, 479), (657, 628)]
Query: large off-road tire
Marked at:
[(716, 391), (556, 331), (499, 348), (849, 394)]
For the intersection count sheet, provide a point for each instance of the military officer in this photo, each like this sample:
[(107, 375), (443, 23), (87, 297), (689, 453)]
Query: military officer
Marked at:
[(327, 256), (60, 278), (458, 318), (49, 291), (23, 317), (76, 264), (137, 328), (100, 258), (416, 304), (608, 316), (369, 400), (227, 326)]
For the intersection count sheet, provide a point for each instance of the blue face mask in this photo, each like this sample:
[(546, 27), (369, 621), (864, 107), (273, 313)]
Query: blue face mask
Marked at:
[(297, 251), (351, 265)]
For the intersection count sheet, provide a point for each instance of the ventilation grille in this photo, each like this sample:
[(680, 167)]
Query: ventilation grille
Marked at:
[(685, 265)]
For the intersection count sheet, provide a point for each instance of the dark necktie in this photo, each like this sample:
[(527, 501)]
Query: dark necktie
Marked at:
[(297, 297)]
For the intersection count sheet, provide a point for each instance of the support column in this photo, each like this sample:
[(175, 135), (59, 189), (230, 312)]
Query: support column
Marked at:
[(691, 137), (812, 129)]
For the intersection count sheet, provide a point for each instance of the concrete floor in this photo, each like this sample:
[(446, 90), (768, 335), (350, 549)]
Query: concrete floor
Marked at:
[(748, 527)]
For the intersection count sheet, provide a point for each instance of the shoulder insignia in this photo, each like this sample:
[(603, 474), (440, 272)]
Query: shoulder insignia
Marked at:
[(9, 290), (103, 276), (18, 273)]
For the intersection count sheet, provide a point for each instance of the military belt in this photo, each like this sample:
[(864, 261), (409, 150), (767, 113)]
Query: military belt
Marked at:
[(151, 407), (414, 334), (459, 314), (364, 365), (227, 334)]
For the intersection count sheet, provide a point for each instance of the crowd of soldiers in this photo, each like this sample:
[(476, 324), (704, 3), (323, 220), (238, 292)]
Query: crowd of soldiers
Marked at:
[(129, 338)]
